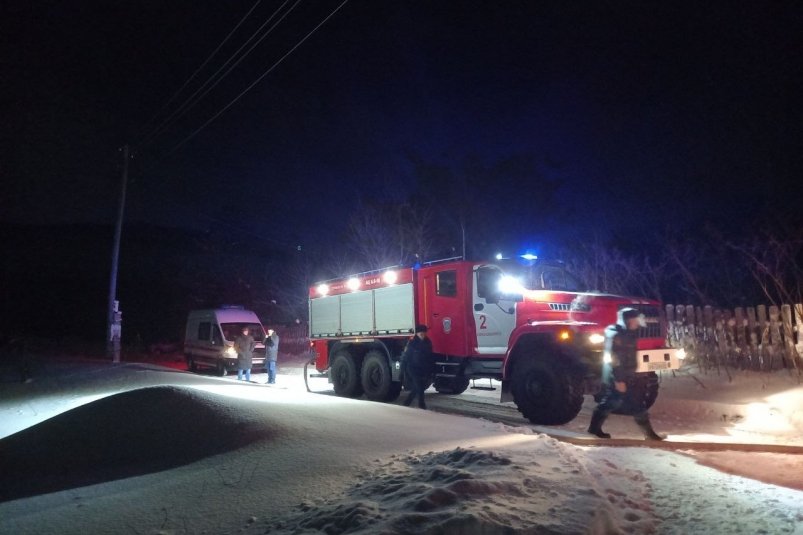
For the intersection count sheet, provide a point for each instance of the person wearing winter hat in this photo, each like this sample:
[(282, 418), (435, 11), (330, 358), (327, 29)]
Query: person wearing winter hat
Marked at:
[(619, 368)]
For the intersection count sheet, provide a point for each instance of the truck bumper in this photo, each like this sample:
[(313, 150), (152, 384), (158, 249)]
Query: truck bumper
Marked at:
[(653, 360)]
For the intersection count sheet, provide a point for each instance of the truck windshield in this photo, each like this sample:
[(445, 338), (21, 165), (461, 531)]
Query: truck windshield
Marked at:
[(233, 330), (541, 277), (560, 279)]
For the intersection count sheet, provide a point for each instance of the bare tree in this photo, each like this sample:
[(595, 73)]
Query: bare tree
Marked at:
[(686, 258), (605, 268), (775, 261), (387, 234)]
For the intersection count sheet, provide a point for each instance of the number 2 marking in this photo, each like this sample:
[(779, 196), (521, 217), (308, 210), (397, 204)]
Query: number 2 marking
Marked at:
[(483, 319)]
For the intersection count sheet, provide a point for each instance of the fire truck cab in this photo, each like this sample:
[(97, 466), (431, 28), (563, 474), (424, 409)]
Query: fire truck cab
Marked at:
[(532, 328)]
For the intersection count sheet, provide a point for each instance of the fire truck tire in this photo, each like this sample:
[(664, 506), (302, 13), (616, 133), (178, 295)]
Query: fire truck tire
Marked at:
[(376, 378), (452, 385), (346, 376), (546, 392), (643, 391)]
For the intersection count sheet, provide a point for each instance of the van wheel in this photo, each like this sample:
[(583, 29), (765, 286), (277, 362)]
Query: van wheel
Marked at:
[(345, 375), (220, 369), (547, 392), (191, 365), (376, 378)]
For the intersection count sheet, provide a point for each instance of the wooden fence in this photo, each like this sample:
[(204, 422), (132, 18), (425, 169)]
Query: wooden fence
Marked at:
[(756, 338)]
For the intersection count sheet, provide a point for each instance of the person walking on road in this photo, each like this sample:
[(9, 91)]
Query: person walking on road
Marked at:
[(619, 370), (271, 355), (417, 365), (244, 345)]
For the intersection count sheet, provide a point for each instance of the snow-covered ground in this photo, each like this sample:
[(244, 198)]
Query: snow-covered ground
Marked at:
[(96, 448)]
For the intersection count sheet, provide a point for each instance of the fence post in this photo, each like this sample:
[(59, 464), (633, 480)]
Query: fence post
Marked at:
[(671, 328), (775, 334), (690, 332), (722, 338), (708, 329), (788, 336), (799, 328), (764, 338), (741, 344), (755, 359)]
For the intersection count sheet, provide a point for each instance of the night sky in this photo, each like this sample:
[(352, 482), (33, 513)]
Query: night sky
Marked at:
[(663, 114)]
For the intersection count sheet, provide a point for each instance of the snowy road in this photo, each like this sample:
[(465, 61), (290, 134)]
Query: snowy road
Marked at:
[(139, 449), (484, 404)]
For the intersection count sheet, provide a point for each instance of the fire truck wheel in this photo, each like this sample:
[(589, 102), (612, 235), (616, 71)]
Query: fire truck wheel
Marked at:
[(643, 391), (376, 378), (452, 385), (547, 392), (345, 376)]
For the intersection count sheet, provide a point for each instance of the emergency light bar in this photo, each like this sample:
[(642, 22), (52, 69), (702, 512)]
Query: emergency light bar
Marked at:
[(363, 281)]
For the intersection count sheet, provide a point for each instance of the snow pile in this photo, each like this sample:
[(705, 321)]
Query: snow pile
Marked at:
[(123, 435), (468, 491)]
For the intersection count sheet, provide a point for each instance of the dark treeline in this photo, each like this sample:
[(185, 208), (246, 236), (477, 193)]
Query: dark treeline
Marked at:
[(55, 278)]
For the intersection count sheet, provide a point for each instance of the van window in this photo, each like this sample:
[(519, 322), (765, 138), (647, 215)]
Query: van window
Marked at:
[(217, 338), (232, 330), (446, 283), (204, 330)]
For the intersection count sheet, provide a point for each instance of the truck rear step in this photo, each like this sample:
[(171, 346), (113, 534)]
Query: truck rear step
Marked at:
[(490, 386)]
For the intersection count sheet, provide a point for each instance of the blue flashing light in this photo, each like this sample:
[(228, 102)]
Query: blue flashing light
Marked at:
[(529, 256)]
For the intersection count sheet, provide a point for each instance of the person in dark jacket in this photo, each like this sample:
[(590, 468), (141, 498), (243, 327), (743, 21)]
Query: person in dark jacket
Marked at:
[(417, 365), (271, 355), (619, 369), (244, 345)]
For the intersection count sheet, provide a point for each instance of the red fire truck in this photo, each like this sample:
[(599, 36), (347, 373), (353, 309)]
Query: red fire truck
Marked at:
[(531, 328)]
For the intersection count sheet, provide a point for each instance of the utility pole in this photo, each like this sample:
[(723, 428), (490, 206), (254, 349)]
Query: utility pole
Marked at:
[(463, 231), (114, 315)]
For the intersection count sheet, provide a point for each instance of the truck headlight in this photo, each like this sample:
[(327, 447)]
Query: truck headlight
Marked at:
[(681, 354), (230, 351), (596, 338), (510, 286)]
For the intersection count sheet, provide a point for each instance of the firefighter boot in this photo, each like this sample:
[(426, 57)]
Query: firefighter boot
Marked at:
[(643, 422), (595, 427)]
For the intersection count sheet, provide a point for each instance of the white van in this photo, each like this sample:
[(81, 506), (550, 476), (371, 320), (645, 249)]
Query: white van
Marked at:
[(210, 335)]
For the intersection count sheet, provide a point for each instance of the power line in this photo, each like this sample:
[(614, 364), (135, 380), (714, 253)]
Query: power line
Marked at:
[(192, 100), (255, 82), (193, 75)]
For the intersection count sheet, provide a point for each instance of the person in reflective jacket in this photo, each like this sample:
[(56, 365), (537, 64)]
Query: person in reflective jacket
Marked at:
[(417, 365), (619, 370)]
